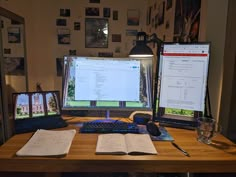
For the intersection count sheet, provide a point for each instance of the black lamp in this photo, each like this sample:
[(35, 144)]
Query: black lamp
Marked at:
[(142, 50)]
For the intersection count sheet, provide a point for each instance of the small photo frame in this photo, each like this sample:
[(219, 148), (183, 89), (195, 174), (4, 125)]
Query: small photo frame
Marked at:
[(65, 12), (105, 54), (59, 65), (76, 25), (63, 36), (168, 4), (94, 1), (115, 15), (61, 22), (133, 17), (14, 66), (106, 12), (72, 52), (131, 32), (7, 51), (92, 11), (14, 35), (116, 37)]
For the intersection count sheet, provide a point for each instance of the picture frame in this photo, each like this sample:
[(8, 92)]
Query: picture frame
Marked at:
[(63, 36), (115, 15), (106, 12), (116, 37), (133, 16), (92, 11), (131, 32), (61, 22), (14, 35), (77, 26), (65, 12), (14, 66), (96, 33)]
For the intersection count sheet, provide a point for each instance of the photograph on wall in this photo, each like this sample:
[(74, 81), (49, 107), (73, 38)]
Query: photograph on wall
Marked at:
[(187, 20), (14, 66), (61, 22), (106, 12), (59, 65), (96, 33), (76, 25), (92, 11), (63, 36), (65, 12), (7, 51), (131, 32), (133, 17), (161, 13), (72, 52), (94, 1), (115, 15), (168, 4), (14, 35), (116, 38)]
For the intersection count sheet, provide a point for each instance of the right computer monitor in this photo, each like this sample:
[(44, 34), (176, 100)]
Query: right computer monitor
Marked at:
[(182, 83)]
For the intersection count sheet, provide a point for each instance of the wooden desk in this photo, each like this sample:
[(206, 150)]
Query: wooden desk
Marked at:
[(218, 157)]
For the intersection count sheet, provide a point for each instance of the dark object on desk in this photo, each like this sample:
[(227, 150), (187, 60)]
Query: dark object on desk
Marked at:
[(109, 127), (37, 110), (141, 118), (153, 129), (33, 124)]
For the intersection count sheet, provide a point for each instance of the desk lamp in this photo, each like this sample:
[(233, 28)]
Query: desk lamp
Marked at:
[(142, 50)]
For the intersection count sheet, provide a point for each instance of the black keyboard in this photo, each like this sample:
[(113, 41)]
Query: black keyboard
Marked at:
[(109, 127)]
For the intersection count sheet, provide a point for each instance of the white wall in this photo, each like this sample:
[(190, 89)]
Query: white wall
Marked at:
[(41, 33)]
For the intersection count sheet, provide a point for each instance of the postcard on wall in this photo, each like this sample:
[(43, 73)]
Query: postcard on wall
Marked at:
[(133, 17), (14, 66), (14, 35), (63, 36)]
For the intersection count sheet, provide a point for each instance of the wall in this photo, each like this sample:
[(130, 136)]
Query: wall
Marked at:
[(41, 33)]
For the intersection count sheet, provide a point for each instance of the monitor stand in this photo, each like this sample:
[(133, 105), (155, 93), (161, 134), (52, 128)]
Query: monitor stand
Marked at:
[(107, 118)]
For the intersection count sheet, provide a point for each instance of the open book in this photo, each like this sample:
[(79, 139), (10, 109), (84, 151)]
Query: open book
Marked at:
[(125, 144), (48, 143)]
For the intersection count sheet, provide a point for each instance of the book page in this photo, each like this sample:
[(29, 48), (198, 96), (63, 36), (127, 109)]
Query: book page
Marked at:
[(139, 144), (111, 144), (48, 143)]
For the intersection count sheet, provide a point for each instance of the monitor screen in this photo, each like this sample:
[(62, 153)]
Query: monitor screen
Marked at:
[(107, 83), (183, 74)]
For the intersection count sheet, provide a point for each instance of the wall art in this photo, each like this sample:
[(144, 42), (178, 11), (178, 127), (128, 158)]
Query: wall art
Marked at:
[(96, 33)]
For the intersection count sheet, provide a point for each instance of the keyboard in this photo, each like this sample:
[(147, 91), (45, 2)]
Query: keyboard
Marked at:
[(109, 127)]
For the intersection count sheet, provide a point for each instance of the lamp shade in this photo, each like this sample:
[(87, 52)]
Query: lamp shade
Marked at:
[(141, 49)]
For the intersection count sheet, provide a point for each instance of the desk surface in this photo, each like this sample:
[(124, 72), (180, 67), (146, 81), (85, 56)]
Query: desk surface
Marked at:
[(218, 157)]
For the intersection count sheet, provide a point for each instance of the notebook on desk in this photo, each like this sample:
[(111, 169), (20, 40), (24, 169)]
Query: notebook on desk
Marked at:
[(37, 110)]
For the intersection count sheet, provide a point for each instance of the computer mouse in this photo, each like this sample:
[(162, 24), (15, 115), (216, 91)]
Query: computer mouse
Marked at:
[(153, 129)]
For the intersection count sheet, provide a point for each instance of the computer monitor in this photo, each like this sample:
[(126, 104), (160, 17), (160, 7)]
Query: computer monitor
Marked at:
[(107, 83), (182, 81)]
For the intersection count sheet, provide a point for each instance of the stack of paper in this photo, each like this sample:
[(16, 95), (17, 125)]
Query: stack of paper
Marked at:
[(48, 143)]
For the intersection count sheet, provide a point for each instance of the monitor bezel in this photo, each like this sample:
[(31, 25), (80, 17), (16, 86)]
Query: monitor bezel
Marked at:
[(112, 109)]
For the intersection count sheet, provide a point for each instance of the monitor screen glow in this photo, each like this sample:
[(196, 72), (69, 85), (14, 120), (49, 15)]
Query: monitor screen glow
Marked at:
[(107, 83)]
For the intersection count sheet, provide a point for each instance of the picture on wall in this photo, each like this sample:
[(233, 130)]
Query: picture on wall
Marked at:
[(59, 65), (187, 20), (96, 33), (115, 15), (106, 12), (76, 25), (14, 66), (14, 35), (133, 17), (92, 11), (116, 38), (61, 22), (161, 13), (65, 12), (63, 36)]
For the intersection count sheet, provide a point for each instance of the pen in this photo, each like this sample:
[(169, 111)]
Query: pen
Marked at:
[(179, 148)]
